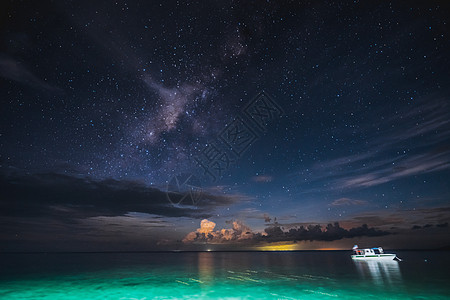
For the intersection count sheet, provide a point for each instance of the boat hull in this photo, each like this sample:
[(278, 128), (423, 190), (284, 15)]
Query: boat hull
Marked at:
[(374, 257)]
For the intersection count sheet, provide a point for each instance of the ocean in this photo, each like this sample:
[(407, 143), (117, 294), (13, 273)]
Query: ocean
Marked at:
[(223, 275)]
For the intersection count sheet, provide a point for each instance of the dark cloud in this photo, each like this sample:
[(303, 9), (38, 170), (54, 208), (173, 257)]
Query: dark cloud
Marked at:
[(316, 233), (443, 225), (64, 196), (375, 219)]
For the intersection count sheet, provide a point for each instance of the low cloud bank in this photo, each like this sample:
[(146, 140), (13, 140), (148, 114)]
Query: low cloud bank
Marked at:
[(275, 233), (206, 233)]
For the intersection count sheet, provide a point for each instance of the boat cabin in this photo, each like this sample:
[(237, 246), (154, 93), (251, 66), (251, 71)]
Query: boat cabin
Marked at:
[(370, 251)]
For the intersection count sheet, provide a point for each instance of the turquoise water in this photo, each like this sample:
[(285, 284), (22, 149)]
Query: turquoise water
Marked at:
[(223, 275)]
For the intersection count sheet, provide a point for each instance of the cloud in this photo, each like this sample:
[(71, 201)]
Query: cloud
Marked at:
[(206, 233), (402, 218), (347, 201), (422, 227), (129, 225), (317, 233), (206, 227), (63, 196), (443, 225), (379, 219), (410, 166), (376, 170), (429, 119), (17, 71), (275, 233), (411, 143), (262, 178)]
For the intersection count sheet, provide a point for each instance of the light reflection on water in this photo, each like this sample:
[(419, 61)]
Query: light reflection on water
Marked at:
[(222, 275), (380, 272), (205, 267)]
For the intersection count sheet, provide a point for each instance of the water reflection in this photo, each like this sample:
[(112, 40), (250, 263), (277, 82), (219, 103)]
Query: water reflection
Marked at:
[(380, 272), (205, 266)]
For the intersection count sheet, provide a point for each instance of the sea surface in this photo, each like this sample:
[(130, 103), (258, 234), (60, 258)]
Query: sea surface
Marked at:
[(223, 275)]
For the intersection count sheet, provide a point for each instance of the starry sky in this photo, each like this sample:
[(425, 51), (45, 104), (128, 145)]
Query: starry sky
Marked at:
[(224, 125)]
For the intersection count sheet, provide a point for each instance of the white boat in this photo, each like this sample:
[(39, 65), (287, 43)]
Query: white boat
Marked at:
[(371, 254)]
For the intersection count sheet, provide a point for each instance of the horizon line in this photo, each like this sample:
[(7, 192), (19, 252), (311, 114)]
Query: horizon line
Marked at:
[(446, 248)]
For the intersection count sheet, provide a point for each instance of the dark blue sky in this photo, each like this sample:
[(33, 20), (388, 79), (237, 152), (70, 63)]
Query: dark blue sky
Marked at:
[(105, 104)]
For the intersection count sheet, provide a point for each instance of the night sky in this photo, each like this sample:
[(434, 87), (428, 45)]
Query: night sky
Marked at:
[(281, 117)]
